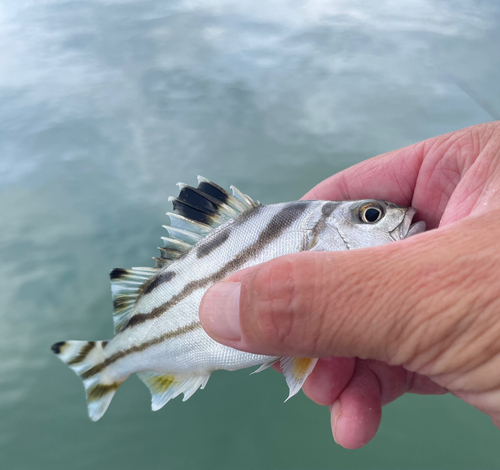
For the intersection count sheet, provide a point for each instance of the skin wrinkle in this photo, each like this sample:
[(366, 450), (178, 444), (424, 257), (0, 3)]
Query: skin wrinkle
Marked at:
[(439, 152), (463, 164), (281, 314), (338, 325), (400, 312), (311, 303), (348, 295), (387, 393), (482, 359), (477, 330), (324, 308), (367, 289), (426, 324)]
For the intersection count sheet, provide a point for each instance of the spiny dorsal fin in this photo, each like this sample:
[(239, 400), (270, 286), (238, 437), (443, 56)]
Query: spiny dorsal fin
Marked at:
[(196, 213)]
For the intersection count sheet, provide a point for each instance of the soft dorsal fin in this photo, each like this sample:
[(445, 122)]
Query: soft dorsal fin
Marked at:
[(126, 286), (196, 213)]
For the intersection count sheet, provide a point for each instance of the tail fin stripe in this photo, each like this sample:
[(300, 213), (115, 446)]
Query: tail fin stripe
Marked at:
[(80, 357), (98, 391)]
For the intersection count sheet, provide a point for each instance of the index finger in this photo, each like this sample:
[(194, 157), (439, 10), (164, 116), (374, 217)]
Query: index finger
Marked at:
[(391, 177), (423, 175)]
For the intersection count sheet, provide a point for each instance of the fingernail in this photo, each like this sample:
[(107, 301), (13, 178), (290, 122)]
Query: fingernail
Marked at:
[(336, 412), (221, 311)]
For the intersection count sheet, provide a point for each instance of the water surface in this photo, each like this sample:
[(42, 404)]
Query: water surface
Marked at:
[(105, 105)]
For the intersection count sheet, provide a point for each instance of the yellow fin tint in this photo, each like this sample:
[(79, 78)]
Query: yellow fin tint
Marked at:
[(160, 383), (301, 366), (164, 387), (296, 370)]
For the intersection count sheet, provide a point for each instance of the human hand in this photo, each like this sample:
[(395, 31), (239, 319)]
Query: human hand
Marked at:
[(421, 315)]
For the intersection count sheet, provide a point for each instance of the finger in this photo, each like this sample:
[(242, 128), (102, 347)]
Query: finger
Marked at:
[(357, 413), (328, 379), (332, 374), (391, 177), (395, 381)]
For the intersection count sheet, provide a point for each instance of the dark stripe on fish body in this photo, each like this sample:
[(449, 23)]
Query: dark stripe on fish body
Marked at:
[(156, 281), (206, 246), (279, 223), (328, 208), (247, 215), (326, 211), (140, 347), (98, 391), (80, 357)]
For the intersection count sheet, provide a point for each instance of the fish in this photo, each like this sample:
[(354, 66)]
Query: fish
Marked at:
[(213, 233)]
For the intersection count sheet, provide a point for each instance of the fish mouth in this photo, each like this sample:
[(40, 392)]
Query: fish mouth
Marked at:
[(406, 229)]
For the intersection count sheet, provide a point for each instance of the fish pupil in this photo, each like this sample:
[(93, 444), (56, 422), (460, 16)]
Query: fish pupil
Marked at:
[(372, 215)]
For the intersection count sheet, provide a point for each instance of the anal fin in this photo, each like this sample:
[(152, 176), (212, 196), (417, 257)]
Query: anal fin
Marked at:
[(164, 387), (296, 370)]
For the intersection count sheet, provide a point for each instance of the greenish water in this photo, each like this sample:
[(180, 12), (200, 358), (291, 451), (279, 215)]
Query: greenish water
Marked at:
[(106, 104)]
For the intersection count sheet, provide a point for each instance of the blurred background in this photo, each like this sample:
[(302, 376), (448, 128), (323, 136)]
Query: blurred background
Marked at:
[(106, 104)]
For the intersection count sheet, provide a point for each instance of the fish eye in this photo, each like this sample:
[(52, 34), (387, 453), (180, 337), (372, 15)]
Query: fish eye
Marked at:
[(370, 213)]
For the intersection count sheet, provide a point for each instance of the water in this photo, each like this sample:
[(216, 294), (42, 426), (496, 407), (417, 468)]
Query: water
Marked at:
[(105, 105)]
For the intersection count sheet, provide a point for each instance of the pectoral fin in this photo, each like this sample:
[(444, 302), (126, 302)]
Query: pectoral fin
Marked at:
[(296, 370)]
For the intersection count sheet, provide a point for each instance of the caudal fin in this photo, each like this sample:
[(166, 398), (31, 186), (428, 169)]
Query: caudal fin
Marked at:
[(86, 358)]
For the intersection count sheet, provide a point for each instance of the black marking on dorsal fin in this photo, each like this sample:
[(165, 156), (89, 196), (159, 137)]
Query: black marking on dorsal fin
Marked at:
[(214, 190), (191, 212), (196, 213), (199, 200)]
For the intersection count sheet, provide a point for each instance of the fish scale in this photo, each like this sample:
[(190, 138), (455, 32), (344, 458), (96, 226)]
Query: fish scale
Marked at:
[(212, 234)]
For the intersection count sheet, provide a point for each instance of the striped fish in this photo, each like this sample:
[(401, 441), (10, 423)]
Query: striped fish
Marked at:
[(212, 234)]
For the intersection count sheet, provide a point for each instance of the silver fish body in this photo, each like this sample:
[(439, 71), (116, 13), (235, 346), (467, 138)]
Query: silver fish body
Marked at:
[(213, 234)]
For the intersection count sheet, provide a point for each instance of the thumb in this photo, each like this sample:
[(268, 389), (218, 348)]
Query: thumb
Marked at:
[(398, 303)]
